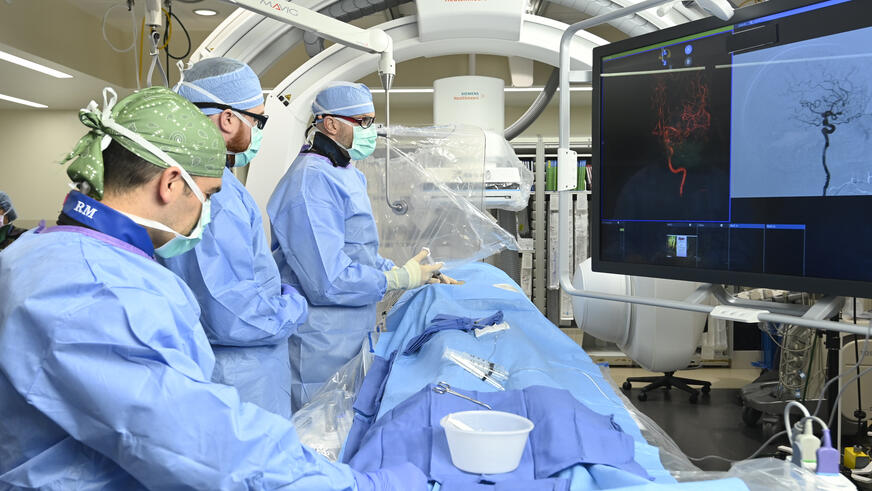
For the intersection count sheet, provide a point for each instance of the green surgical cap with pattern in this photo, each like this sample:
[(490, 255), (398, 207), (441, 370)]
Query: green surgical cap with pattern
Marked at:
[(162, 118)]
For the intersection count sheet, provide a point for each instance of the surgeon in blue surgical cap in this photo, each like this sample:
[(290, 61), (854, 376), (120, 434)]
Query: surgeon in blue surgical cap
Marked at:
[(247, 312), (325, 240)]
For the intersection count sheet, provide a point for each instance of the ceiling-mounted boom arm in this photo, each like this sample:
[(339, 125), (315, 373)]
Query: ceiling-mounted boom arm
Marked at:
[(369, 40)]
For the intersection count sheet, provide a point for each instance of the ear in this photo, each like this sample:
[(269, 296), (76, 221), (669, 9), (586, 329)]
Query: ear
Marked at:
[(226, 121), (331, 126), (170, 185)]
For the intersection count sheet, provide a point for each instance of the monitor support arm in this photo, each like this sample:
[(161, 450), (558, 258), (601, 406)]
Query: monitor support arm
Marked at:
[(368, 40), (731, 308)]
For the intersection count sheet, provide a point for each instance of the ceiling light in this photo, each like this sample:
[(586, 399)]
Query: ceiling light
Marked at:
[(22, 101), (190, 1), (206, 12), (32, 65)]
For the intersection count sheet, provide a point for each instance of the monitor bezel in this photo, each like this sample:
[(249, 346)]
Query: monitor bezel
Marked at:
[(829, 286)]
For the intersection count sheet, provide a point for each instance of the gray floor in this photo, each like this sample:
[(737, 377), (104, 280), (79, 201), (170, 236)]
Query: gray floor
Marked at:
[(713, 426)]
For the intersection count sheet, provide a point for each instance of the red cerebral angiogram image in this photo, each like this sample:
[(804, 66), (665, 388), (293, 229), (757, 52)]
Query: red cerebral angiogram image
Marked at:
[(692, 119)]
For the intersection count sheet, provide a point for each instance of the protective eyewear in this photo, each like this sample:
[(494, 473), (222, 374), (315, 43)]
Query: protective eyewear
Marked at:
[(364, 122), (259, 119)]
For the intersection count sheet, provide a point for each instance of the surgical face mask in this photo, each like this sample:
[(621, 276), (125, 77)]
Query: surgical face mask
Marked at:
[(363, 143), (181, 244), (3, 219), (244, 158)]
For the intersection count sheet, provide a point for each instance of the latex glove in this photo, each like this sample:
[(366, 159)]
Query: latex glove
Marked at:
[(403, 477), (288, 289), (413, 274), (447, 280)]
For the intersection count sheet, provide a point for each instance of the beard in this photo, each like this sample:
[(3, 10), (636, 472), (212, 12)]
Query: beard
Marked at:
[(240, 141)]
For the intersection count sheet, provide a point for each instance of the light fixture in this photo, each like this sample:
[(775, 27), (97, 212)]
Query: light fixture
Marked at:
[(206, 12), (23, 102), (33, 65)]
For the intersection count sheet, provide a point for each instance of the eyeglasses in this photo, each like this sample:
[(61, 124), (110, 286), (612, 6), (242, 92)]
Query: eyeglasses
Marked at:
[(260, 119), (364, 122)]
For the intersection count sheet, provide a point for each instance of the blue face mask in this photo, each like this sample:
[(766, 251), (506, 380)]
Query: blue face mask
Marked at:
[(364, 141), (244, 158), (181, 244)]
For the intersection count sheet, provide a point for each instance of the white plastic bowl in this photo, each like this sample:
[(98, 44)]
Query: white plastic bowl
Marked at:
[(494, 445)]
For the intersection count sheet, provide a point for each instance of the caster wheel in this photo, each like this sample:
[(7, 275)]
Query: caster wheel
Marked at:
[(750, 416), (694, 398), (706, 389), (642, 396), (626, 386)]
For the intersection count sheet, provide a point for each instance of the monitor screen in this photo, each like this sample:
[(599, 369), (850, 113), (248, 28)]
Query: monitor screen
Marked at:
[(739, 152)]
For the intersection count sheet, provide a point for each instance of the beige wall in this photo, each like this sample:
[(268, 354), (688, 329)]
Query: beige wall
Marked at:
[(33, 143), (546, 124)]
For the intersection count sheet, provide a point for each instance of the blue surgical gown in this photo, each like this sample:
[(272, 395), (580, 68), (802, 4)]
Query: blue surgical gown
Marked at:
[(105, 382), (325, 243), (244, 313)]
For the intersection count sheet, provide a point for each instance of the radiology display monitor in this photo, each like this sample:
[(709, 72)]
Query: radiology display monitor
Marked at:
[(739, 152)]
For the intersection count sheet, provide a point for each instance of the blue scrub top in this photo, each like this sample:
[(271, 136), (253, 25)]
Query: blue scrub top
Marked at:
[(245, 313), (325, 243), (105, 382)]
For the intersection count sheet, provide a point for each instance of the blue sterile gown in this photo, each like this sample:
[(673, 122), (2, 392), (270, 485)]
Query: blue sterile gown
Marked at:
[(245, 313), (105, 382), (325, 242)]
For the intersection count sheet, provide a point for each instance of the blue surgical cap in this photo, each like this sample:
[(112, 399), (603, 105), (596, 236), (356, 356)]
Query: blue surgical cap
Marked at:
[(222, 80), (6, 204), (343, 99)]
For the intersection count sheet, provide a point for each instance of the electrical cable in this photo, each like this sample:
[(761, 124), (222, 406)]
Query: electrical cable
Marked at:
[(808, 371), (167, 36), (753, 455), (106, 38), (782, 347), (842, 374), (787, 407), (141, 37), (187, 36), (841, 392)]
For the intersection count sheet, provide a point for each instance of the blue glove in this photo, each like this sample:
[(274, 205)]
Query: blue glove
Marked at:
[(403, 477)]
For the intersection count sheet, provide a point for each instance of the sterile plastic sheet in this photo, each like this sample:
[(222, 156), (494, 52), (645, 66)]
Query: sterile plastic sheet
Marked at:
[(324, 422), (438, 172), (505, 171), (760, 474)]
